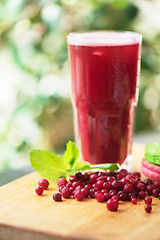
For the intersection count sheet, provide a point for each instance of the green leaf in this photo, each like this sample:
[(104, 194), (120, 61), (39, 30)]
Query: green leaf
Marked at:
[(71, 155), (48, 165)]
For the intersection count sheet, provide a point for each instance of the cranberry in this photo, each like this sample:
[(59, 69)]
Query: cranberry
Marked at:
[(124, 181), (157, 183), (91, 192), (110, 179), (93, 178), (131, 195), (66, 192), (148, 208), (116, 185), (141, 186), (112, 192), (134, 200), (156, 192), (100, 174), (72, 189), (57, 197), (104, 191), (148, 182), (133, 181), (115, 198), (72, 178), (159, 196), (43, 183), (68, 185), (136, 174), (107, 185), (79, 195), (100, 197), (148, 200), (79, 176), (141, 195), (123, 196), (99, 184), (89, 186), (78, 188), (60, 188), (106, 195), (86, 177), (103, 178), (128, 188), (150, 189), (112, 205), (76, 184), (39, 190), (62, 182), (85, 192)]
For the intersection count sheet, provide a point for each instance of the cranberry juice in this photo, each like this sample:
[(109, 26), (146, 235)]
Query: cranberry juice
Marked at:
[(104, 94)]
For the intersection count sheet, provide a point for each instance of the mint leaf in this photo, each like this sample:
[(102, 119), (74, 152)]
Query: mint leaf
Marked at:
[(71, 155), (48, 165), (85, 167), (53, 166)]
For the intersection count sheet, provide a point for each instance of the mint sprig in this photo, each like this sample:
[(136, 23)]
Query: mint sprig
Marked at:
[(53, 166)]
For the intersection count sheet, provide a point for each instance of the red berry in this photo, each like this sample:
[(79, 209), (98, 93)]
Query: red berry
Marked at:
[(148, 200), (148, 208), (116, 185), (128, 188), (66, 192), (112, 192), (148, 182), (156, 192), (79, 195), (103, 178), (134, 200), (150, 189), (39, 190), (72, 178), (43, 183), (79, 176), (136, 174), (123, 196), (131, 195), (124, 181), (110, 179), (62, 182), (57, 197), (99, 184), (85, 192), (141, 186), (157, 183), (106, 195), (112, 205), (100, 197), (93, 178), (107, 185), (141, 195), (115, 198)]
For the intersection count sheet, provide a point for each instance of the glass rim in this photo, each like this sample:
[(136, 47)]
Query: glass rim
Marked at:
[(104, 38)]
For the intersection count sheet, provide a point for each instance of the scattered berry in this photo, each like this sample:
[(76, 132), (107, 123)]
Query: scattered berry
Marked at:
[(39, 190), (57, 197), (134, 200), (112, 205), (148, 208), (148, 200), (43, 183)]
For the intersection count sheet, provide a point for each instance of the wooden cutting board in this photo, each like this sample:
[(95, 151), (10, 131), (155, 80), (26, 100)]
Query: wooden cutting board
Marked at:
[(26, 216)]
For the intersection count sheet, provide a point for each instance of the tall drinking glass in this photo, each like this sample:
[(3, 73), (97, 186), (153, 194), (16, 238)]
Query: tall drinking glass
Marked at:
[(105, 79)]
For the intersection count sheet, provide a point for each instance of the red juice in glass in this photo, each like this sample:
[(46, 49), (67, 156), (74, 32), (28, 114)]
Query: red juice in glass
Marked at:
[(105, 78)]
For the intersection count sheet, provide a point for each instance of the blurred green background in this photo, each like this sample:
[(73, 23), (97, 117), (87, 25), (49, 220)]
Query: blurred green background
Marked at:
[(35, 108)]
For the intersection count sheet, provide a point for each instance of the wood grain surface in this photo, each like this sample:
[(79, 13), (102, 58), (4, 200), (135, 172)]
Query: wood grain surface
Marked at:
[(26, 216)]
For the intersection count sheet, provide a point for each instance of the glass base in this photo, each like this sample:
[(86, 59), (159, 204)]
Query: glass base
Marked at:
[(127, 164)]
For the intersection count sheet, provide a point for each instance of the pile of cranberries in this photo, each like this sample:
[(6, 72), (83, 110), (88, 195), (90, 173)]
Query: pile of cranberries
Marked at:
[(109, 187)]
